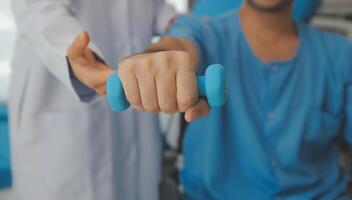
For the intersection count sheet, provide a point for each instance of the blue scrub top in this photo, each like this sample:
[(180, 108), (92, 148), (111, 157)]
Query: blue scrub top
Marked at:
[(276, 137), (303, 10), (5, 172)]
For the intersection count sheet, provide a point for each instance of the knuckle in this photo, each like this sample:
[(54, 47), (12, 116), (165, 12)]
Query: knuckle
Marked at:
[(168, 108), (166, 57), (124, 70), (124, 62), (151, 108), (169, 61), (139, 108), (186, 102), (142, 66), (147, 66), (134, 101), (164, 54), (184, 61), (183, 56)]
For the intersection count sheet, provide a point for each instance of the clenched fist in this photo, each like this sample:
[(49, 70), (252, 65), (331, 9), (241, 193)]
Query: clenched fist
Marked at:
[(163, 81)]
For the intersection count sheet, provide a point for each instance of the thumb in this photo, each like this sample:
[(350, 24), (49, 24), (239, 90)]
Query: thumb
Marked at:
[(79, 45), (200, 109)]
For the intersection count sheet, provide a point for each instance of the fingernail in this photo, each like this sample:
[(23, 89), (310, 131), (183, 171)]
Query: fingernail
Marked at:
[(192, 115), (196, 113), (195, 110), (188, 119)]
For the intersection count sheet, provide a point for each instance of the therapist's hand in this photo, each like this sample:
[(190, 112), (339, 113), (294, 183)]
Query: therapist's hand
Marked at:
[(86, 68), (164, 81)]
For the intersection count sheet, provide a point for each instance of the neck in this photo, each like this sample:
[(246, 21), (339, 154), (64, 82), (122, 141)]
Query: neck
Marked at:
[(271, 35), (267, 23)]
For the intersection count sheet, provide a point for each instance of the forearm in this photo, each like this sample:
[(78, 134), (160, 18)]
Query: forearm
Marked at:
[(174, 44)]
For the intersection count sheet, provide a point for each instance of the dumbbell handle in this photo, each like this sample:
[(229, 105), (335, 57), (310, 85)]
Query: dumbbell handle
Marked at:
[(210, 86), (201, 86)]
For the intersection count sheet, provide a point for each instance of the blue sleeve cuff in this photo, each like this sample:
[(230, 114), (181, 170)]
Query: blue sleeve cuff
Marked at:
[(84, 93), (348, 116)]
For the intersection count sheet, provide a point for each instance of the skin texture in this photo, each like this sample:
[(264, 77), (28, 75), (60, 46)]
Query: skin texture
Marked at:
[(163, 78)]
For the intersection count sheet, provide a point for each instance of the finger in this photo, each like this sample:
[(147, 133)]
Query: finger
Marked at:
[(101, 78), (166, 91), (148, 93), (131, 89), (200, 109), (101, 90), (187, 93), (78, 46), (89, 56), (96, 77)]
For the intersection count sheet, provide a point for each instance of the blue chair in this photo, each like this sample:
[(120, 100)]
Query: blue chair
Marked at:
[(303, 9), (5, 172)]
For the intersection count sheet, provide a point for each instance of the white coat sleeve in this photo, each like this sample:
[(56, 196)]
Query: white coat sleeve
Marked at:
[(50, 27), (163, 14)]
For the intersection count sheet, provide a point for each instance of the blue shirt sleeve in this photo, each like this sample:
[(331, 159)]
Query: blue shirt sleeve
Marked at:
[(347, 76), (202, 33), (304, 10), (339, 50), (348, 115), (85, 94)]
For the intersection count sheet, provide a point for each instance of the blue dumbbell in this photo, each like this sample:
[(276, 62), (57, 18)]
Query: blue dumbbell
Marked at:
[(212, 86)]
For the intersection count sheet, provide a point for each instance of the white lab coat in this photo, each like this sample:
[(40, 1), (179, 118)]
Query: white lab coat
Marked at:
[(62, 148)]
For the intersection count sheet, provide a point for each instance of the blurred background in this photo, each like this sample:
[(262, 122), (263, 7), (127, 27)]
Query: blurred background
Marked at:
[(333, 15), (7, 36)]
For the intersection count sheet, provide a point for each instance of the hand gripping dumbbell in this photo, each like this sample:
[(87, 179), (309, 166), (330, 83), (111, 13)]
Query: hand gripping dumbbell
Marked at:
[(212, 86)]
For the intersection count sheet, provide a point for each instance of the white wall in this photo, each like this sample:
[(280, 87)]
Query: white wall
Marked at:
[(180, 5)]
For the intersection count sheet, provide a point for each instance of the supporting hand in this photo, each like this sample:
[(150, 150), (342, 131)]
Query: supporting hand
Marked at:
[(86, 67)]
